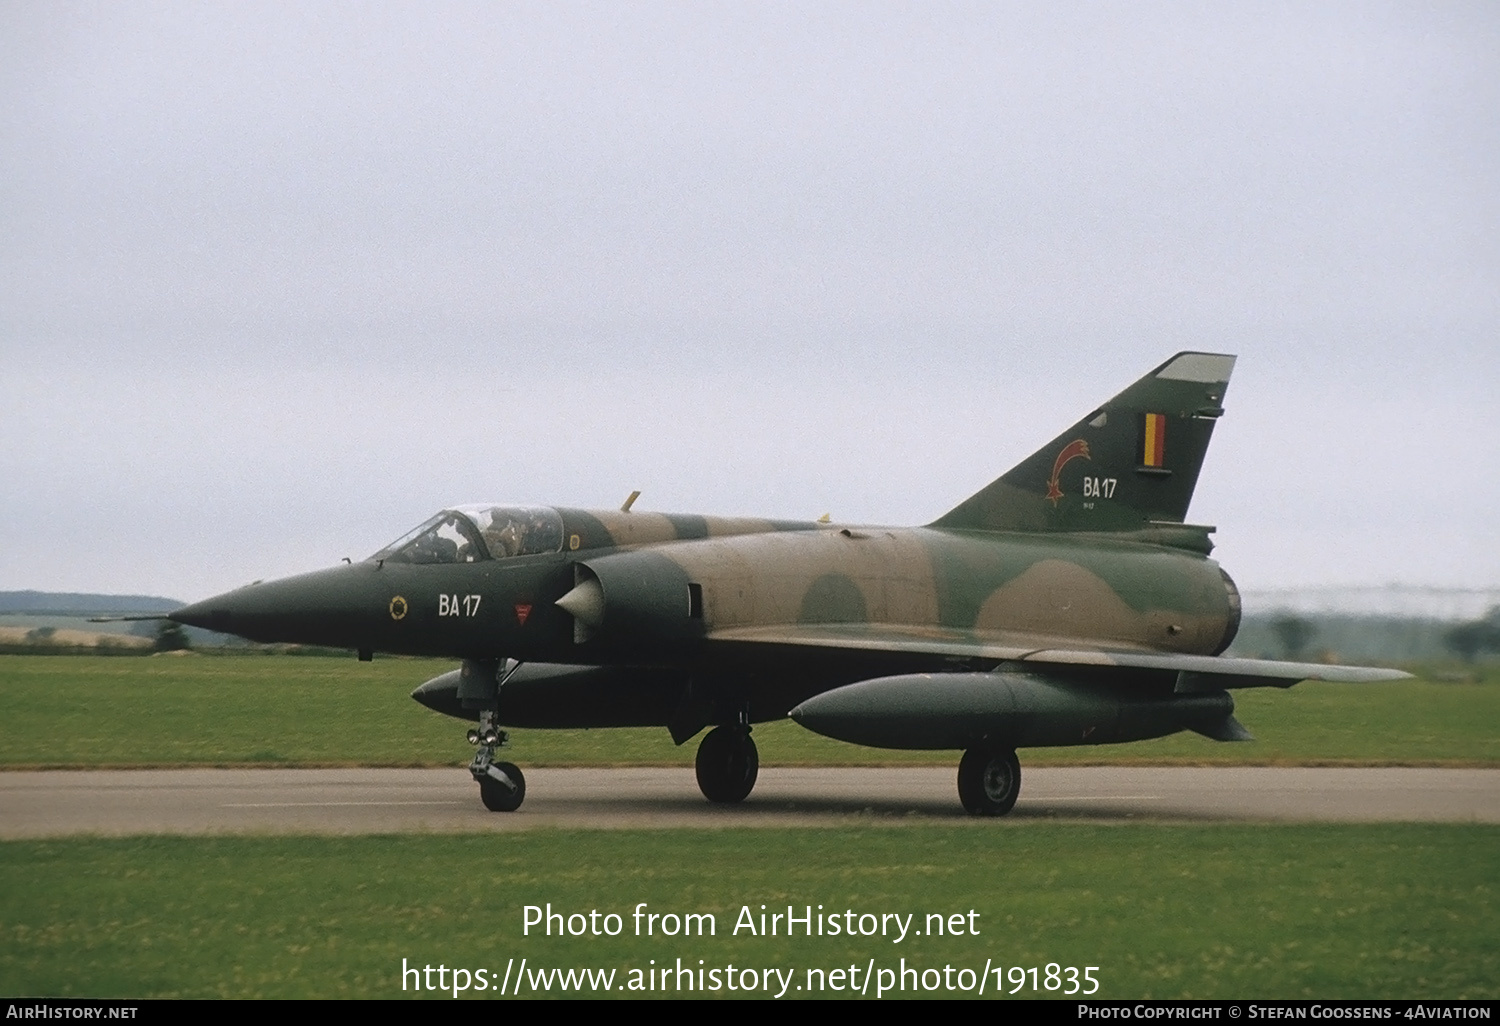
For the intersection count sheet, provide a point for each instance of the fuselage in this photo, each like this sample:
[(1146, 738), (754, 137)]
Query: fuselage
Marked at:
[(667, 587)]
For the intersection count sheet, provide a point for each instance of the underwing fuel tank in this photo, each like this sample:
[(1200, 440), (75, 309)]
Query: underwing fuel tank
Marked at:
[(1025, 710), (558, 696)]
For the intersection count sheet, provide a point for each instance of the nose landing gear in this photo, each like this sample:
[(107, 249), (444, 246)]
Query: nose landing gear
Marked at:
[(502, 787)]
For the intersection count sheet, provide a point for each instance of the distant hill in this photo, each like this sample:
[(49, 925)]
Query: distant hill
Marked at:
[(64, 615), (68, 603)]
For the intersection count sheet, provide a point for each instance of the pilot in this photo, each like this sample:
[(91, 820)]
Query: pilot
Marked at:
[(546, 531), (439, 549), (505, 538)]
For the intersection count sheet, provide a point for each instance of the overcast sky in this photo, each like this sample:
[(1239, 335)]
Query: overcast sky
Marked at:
[(277, 281)]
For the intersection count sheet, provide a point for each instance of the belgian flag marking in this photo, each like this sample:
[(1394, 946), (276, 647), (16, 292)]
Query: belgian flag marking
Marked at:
[(1155, 439)]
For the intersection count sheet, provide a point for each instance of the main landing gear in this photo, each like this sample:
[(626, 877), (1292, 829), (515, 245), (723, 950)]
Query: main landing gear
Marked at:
[(502, 788), (727, 764), (989, 780)]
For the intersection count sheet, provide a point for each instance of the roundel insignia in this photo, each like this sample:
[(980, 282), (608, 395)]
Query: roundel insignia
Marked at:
[(398, 607)]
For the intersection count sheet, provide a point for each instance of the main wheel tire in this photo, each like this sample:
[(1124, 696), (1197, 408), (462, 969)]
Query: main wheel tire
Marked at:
[(989, 781), (727, 765), (499, 798)]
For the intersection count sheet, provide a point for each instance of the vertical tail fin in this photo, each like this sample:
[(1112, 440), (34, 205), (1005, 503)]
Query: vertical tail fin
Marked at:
[(1130, 464)]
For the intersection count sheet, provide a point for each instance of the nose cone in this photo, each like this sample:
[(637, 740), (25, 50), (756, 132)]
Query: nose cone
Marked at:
[(210, 614), (327, 607)]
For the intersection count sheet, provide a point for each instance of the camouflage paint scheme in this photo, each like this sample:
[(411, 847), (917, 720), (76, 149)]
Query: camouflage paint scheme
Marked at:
[(1068, 602)]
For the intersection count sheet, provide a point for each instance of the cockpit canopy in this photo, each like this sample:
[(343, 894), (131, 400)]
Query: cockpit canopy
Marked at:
[(469, 534)]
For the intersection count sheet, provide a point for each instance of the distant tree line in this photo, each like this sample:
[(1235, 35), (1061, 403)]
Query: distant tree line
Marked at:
[(1295, 633), (170, 637), (1468, 639)]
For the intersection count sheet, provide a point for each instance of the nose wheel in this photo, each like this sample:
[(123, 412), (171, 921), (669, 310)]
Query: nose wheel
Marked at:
[(502, 787), (727, 764)]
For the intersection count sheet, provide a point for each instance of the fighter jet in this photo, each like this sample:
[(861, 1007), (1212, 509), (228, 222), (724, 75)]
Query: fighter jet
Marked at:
[(1066, 603)]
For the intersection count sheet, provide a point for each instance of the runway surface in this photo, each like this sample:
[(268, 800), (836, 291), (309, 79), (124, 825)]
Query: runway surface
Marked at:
[(363, 801)]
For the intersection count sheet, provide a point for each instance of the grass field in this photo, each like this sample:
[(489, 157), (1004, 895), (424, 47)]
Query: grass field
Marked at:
[(1400, 911), (282, 710), (1166, 911)]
